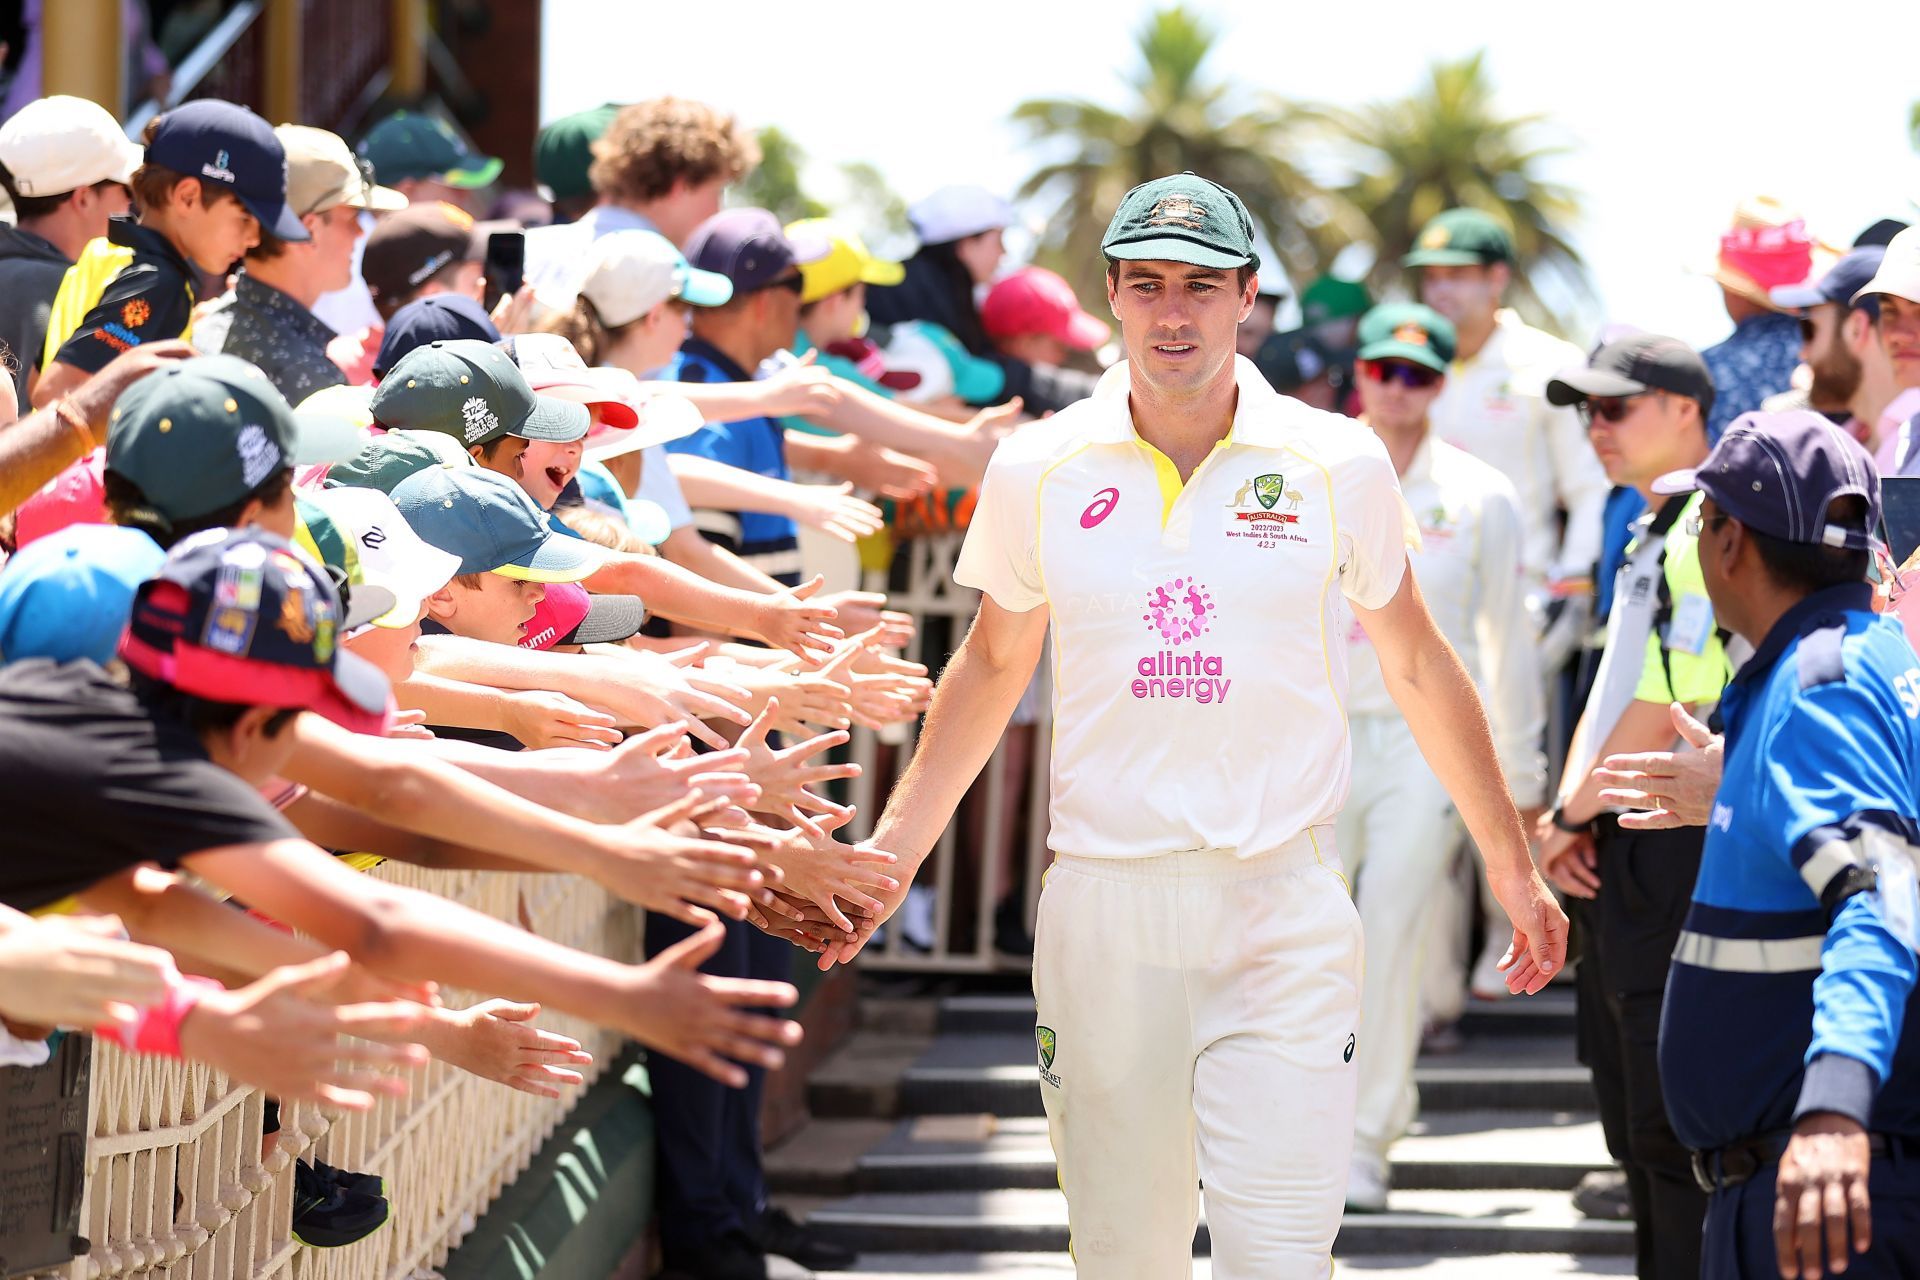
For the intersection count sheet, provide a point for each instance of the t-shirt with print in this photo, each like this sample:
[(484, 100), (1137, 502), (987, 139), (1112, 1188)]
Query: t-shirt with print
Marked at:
[(1199, 675), (131, 288), (93, 783)]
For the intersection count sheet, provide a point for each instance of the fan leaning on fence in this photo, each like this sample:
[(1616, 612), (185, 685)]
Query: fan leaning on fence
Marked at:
[(1197, 965)]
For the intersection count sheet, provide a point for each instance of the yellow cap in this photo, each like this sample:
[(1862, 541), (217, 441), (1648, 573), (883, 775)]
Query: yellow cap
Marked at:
[(845, 263)]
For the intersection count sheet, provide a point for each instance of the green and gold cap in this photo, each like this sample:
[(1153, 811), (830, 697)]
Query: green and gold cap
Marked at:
[(1182, 218), (1460, 238), (1407, 331)]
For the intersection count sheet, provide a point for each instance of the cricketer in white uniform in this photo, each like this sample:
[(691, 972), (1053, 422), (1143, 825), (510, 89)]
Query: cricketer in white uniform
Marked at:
[(1187, 534), (1399, 830)]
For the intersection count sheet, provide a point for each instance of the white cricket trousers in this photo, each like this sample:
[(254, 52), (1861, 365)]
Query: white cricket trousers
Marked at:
[(1197, 1013), (1398, 833)]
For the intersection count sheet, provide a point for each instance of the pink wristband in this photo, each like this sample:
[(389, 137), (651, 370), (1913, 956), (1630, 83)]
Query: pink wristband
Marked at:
[(156, 1029)]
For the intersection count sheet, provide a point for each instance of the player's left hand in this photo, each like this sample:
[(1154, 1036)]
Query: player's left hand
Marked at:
[(1821, 1190), (1539, 947)]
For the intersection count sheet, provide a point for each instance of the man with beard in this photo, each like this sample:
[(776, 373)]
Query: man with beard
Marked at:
[(1839, 341)]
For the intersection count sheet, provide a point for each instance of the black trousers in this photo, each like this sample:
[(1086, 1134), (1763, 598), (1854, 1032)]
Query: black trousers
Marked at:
[(1739, 1229), (708, 1155), (1629, 931)]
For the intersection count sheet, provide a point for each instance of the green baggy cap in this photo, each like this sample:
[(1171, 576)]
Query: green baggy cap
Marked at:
[(1182, 218)]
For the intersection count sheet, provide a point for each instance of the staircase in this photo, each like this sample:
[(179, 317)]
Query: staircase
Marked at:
[(928, 1151)]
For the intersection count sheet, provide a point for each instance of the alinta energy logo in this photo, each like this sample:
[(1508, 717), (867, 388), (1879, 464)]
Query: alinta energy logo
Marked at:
[(1180, 612)]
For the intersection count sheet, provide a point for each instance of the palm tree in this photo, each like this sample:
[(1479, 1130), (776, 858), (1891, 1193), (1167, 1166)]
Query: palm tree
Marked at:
[(1179, 119), (1445, 146)]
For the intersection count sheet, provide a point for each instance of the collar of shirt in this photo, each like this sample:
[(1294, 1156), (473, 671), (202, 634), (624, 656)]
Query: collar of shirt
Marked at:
[(1821, 608), (128, 234), (701, 349), (280, 308), (1259, 416)]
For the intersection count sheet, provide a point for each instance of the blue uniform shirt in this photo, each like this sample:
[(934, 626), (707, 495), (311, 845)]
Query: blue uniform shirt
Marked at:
[(768, 542), (1790, 985)]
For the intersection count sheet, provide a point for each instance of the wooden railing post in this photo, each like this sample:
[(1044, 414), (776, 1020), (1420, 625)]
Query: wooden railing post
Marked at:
[(84, 52)]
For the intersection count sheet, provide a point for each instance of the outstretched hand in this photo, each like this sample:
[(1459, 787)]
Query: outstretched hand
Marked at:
[(1539, 948)]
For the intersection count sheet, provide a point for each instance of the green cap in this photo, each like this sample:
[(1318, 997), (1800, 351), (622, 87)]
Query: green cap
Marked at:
[(1182, 218), (472, 391), (1407, 331), (1331, 298), (386, 460), (563, 153), (206, 433), (410, 145), (1460, 238)]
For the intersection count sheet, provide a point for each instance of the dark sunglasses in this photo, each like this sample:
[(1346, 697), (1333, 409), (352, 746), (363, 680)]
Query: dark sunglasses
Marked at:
[(1412, 376), (796, 285), (1607, 408)]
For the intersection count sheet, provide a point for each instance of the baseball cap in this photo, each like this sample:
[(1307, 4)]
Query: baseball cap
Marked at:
[(323, 173), (361, 533), (78, 495), (1779, 473), (1035, 300), (410, 145), (231, 147), (59, 144), (1844, 279), (747, 246), (238, 615), (471, 391), (629, 273), (1899, 269), (846, 262), (1290, 359), (68, 595), (1182, 218), (1634, 364), (1881, 233), (956, 212), (406, 249), (563, 151), (1331, 298), (1407, 331), (438, 317), (570, 614), (384, 461), (491, 524), (205, 433), (1460, 238), (552, 367), (942, 364)]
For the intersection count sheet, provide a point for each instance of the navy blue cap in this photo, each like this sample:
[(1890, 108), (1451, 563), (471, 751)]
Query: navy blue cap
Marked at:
[(231, 147), (438, 317), (747, 246), (1880, 233), (1779, 473), (1844, 279)]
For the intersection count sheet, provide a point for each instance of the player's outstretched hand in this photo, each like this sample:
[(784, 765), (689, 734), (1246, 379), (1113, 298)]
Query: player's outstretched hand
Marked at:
[(1665, 788), (1539, 947), (703, 1020)]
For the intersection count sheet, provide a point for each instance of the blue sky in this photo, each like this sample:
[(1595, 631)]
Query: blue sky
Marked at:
[(1674, 112)]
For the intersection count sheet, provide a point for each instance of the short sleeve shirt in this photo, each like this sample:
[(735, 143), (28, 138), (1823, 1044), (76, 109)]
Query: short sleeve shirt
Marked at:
[(132, 287), (92, 783), (269, 329), (1199, 675)]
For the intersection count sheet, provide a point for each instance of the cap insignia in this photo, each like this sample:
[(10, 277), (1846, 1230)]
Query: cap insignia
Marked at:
[(1176, 211)]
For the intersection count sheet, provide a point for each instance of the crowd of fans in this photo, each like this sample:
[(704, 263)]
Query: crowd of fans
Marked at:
[(542, 555)]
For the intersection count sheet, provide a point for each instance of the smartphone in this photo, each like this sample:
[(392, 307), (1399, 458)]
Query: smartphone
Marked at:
[(505, 268)]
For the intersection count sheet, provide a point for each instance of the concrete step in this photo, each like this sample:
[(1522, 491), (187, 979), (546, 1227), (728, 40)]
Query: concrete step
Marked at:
[(1057, 1266), (957, 1074), (1448, 1151), (1417, 1223), (1549, 1013)]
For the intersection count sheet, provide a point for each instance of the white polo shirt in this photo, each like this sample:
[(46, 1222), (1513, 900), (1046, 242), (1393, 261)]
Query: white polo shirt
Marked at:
[(1495, 407), (1468, 566), (1199, 675)]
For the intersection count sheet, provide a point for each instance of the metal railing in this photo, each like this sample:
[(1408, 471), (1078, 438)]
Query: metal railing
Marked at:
[(177, 1184)]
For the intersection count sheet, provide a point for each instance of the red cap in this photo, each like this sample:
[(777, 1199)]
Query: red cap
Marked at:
[(77, 495), (1035, 300)]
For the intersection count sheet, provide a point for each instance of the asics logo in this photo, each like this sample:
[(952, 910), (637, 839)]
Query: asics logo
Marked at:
[(1100, 508)]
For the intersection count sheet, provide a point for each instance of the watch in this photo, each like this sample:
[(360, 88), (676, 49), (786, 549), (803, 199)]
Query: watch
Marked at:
[(1559, 819)]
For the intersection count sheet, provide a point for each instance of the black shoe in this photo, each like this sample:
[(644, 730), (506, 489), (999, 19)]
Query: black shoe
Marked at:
[(1010, 936), (326, 1215), (779, 1234), (1602, 1194), (367, 1184), (731, 1257)]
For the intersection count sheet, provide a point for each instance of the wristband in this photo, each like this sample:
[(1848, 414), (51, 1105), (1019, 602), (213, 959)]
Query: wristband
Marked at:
[(156, 1028), (63, 409), (1561, 822)]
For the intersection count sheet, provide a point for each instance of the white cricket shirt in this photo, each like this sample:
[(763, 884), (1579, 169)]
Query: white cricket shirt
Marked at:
[(1199, 674), (1468, 567), (1495, 407)]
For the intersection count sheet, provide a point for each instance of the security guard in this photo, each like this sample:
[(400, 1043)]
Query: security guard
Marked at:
[(1783, 1056)]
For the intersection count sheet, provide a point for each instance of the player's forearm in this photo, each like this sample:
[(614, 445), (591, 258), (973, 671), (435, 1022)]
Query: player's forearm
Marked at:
[(687, 548)]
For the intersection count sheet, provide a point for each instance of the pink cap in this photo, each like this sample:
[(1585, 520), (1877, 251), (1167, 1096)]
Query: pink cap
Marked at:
[(77, 495), (1035, 300), (563, 609)]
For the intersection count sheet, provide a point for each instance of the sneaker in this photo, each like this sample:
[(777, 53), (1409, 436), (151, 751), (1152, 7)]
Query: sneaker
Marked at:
[(1602, 1194), (1442, 1038), (779, 1234), (915, 918), (1366, 1187), (326, 1215), (731, 1257), (367, 1184), (1488, 982)]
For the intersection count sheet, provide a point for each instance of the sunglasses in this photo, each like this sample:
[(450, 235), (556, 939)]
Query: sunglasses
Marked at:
[(1607, 408), (1411, 376), (796, 285), (1697, 523)]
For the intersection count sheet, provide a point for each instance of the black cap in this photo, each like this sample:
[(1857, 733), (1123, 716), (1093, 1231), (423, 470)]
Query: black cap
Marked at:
[(1638, 363), (1880, 233)]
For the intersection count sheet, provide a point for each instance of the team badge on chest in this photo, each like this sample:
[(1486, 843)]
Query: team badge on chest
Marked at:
[(1265, 512)]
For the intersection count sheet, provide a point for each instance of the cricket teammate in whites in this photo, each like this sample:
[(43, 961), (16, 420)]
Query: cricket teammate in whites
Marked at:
[(1197, 967)]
